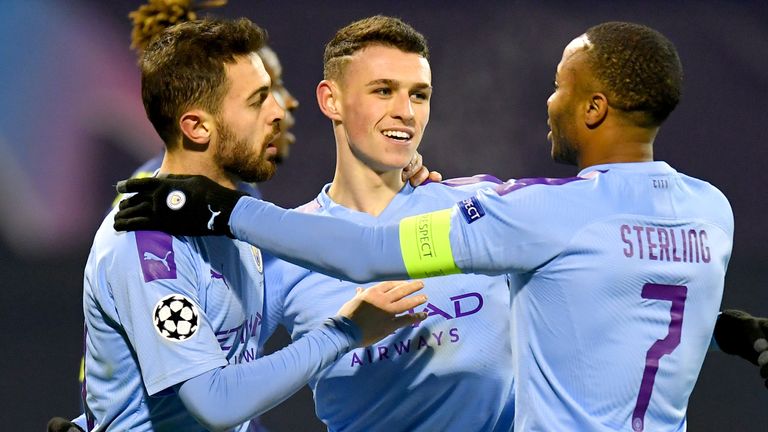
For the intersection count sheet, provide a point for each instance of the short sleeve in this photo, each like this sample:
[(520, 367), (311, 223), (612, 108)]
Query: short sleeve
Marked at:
[(154, 283)]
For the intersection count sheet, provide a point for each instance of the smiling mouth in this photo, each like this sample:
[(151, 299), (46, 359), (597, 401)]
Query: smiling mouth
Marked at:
[(397, 135)]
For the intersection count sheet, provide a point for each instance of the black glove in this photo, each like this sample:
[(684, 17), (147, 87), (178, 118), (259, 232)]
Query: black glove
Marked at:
[(59, 424), (741, 334), (176, 204)]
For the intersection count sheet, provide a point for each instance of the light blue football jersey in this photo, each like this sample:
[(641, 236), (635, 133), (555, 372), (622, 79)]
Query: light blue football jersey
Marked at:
[(160, 310), (617, 277), (452, 372)]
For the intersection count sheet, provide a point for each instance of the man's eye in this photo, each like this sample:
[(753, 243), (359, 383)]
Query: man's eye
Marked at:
[(384, 91), (258, 102), (421, 96)]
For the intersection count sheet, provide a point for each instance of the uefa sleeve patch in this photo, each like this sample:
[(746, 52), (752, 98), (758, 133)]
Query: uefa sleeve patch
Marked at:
[(156, 255), (471, 209), (175, 317)]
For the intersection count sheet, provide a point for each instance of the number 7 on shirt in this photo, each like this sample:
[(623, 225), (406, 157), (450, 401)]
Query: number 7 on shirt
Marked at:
[(677, 295)]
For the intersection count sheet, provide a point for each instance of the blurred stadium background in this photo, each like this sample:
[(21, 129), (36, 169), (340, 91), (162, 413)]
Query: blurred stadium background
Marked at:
[(71, 125)]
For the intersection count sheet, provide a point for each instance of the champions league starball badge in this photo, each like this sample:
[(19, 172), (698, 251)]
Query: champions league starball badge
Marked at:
[(176, 200), (175, 317)]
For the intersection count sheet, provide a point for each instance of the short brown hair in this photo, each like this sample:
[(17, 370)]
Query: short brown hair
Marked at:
[(375, 30), (183, 68), (640, 68)]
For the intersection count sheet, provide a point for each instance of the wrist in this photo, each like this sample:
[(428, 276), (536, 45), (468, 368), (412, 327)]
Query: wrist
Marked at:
[(348, 327)]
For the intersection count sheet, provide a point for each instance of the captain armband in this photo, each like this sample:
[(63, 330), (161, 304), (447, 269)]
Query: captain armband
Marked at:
[(426, 246)]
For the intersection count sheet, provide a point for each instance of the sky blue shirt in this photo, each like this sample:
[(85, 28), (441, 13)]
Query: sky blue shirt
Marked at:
[(617, 277), (162, 311), (453, 372)]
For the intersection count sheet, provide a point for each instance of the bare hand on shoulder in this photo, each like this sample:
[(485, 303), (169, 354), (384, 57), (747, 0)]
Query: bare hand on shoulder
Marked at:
[(417, 173)]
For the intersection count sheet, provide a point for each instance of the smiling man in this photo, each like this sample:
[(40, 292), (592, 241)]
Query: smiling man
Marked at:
[(173, 323), (376, 92), (609, 332)]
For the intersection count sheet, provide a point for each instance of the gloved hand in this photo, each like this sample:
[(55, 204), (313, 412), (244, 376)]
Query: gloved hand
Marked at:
[(741, 334), (176, 204), (60, 424)]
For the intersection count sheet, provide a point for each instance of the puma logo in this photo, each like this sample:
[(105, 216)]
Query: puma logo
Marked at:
[(149, 256), (213, 216)]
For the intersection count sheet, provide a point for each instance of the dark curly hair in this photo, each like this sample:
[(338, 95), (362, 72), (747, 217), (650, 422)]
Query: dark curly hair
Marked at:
[(150, 19), (375, 30), (640, 69), (183, 68)]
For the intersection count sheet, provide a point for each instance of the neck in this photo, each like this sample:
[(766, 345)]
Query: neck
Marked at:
[(195, 163), (359, 187), (623, 145)]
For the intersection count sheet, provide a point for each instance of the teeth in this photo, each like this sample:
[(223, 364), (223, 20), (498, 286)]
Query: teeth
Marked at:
[(397, 134)]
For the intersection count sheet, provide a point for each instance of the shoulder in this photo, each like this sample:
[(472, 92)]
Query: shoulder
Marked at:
[(153, 254), (459, 187), (310, 207), (716, 201), (539, 195), (549, 184)]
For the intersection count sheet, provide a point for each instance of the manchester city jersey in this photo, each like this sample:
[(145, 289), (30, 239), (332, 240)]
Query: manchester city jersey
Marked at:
[(616, 278), (160, 310), (614, 300), (452, 372)]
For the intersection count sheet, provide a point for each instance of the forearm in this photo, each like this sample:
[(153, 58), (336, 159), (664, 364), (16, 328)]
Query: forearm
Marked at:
[(223, 398), (358, 253)]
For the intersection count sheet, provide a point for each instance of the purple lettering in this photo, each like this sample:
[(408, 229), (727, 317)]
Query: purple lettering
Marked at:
[(675, 258), (457, 304), (454, 333), (434, 310), (383, 352), (639, 230), (422, 342), (401, 347), (355, 359), (368, 355), (693, 243), (248, 355), (685, 245), (438, 337), (628, 251), (705, 255), (651, 245), (663, 243)]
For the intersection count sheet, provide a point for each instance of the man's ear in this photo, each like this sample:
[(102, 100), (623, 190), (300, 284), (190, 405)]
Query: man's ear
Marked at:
[(596, 110), (328, 99), (196, 126)]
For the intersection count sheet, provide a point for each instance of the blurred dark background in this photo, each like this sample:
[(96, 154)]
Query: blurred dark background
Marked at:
[(71, 125)]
